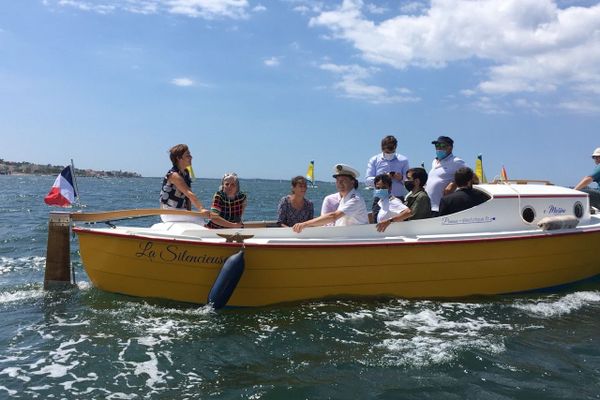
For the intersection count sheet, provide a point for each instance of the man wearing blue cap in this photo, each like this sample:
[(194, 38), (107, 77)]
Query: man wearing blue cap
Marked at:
[(441, 177)]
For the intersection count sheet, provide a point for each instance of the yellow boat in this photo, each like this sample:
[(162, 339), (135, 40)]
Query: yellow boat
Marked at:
[(524, 238)]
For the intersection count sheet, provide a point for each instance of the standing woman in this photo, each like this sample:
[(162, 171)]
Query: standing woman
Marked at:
[(176, 192), (295, 208), (228, 204)]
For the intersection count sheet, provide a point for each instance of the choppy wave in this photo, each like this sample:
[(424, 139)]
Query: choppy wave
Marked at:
[(9, 264), (12, 295), (559, 305)]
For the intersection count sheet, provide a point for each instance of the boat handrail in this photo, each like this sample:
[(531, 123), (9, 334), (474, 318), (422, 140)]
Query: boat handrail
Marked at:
[(498, 181)]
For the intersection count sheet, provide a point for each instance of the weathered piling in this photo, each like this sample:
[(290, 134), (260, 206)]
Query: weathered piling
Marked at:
[(58, 253)]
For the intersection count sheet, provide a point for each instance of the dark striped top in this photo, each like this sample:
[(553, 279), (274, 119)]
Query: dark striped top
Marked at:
[(229, 209)]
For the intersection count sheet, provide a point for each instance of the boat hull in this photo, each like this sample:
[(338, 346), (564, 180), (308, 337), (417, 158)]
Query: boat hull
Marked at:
[(185, 270)]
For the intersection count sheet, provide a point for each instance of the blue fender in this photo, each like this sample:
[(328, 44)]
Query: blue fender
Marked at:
[(227, 280)]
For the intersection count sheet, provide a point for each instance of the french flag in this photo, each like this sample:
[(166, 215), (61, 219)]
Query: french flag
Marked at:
[(63, 192)]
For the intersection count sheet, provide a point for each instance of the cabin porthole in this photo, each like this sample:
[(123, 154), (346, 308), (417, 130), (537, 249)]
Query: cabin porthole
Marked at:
[(578, 209), (528, 214)]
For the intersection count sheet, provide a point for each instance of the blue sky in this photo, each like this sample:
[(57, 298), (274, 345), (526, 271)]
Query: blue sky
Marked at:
[(262, 87)]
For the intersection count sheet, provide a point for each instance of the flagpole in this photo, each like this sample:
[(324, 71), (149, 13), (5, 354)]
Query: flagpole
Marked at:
[(75, 182)]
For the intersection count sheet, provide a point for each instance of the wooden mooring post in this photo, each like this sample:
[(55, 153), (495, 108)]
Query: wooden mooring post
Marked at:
[(58, 273)]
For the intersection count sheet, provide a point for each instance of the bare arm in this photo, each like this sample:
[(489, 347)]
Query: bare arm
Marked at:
[(584, 182), (217, 219), (382, 226), (180, 184), (450, 188), (319, 221)]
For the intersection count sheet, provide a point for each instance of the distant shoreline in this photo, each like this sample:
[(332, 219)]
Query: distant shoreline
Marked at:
[(25, 168)]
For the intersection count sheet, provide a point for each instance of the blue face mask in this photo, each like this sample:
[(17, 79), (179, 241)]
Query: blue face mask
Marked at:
[(441, 154), (381, 193)]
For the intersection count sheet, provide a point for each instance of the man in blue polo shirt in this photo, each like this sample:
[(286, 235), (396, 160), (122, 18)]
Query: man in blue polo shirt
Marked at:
[(390, 163)]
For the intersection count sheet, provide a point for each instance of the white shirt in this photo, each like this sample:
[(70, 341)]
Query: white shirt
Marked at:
[(330, 203), (390, 208), (354, 209), (441, 174)]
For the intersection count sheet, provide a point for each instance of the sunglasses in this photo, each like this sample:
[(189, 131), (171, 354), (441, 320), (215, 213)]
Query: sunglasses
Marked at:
[(441, 145)]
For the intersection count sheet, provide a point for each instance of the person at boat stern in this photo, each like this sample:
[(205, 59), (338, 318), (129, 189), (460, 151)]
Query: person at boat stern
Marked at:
[(228, 204), (594, 194), (294, 207), (351, 210), (176, 190), (390, 163), (465, 197), (441, 176)]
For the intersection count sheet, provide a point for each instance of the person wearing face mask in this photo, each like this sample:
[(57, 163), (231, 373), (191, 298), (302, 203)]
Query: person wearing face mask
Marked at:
[(390, 163), (441, 176), (417, 198), (465, 197), (388, 207)]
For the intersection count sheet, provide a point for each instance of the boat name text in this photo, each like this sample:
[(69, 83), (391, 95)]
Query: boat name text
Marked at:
[(171, 253), (467, 220), (554, 210)]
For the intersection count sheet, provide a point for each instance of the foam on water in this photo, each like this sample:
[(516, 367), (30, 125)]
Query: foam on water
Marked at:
[(555, 306), (20, 295), (438, 333), (10, 265)]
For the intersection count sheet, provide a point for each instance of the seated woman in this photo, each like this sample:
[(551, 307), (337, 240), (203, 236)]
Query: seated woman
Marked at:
[(294, 207), (389, 208), (228, 204), (176, 191)]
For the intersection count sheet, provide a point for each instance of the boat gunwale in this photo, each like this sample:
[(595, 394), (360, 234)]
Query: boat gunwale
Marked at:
[(392, 241)]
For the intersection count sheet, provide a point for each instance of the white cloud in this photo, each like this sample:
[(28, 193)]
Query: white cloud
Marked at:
[(207, 9), (528, 46), (183, 82), (88, 6), (259, 8), (352, 84), (581, 106), (375, 9), (413, 7), (272, 61)]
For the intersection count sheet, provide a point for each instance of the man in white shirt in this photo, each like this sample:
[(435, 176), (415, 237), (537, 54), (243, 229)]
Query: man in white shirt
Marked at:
[(443, 168), (351, 210)]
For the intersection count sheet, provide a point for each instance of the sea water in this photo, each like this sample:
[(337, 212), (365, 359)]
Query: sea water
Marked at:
[(88, 344)]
